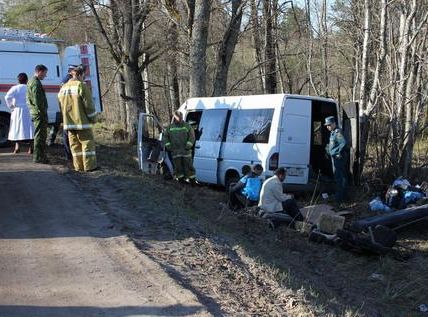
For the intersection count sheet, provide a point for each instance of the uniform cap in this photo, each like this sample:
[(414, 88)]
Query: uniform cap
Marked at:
[(329, 120)]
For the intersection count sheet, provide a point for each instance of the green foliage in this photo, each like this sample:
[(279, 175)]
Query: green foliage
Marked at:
[(45, 16)]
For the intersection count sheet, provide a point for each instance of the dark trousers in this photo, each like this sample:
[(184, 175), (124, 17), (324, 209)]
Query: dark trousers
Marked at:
[(40, 134), (183, 167), (290, 207), (339, 170), (67, 150), (239, 201)]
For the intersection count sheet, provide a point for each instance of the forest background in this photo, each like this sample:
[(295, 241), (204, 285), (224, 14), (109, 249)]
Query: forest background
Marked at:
[(154, 54)]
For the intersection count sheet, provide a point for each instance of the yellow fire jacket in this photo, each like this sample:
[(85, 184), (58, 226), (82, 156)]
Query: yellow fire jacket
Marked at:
[(77, 108)]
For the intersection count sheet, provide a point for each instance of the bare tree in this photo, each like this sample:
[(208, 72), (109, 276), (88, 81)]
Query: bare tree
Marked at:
[(198, 48), (227, 47), (123, 36)]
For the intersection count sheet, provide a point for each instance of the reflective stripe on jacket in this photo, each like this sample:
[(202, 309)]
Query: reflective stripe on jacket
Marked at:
[(179, 138), (78, 110)]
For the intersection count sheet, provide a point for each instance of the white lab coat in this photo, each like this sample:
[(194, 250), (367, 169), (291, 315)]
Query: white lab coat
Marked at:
[(272, 195), (21, 126)]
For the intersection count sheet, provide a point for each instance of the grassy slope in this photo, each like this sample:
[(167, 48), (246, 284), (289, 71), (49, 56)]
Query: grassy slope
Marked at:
[(235, 264)]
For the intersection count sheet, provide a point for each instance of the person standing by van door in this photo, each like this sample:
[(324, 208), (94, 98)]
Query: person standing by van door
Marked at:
[(21, 126), (179, 138), (336, 150), (78, 114), (38, 104)]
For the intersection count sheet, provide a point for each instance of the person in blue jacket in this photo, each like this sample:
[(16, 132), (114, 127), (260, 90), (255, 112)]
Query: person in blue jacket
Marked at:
[(246, 192), (336, 149)]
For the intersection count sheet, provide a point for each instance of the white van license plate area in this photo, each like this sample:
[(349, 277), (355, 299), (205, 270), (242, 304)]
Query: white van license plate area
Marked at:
[(295, 172)]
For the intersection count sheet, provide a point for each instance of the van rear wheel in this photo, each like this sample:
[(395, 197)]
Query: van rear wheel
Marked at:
[(4, 129)]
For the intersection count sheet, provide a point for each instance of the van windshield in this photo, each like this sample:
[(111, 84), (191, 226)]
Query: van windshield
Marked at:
[(249, 126)]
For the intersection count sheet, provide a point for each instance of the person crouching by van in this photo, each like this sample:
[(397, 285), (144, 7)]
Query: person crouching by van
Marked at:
[(336, 150), (21, 126), (38, 104), (246, 192), (78, 114), (274, 200), (179, 138)]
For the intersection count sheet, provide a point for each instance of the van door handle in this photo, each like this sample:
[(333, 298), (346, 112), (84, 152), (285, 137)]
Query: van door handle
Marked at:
[(197, 146)]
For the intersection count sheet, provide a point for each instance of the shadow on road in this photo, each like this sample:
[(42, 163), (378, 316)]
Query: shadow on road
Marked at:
[(37, 202), (88, 311)]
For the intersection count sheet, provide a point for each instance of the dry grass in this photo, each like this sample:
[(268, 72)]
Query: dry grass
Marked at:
[(237, 266)]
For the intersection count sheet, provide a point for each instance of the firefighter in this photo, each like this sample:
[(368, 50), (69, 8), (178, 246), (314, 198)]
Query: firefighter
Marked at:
[(179, 139), (336, 149), (78, 114), (38, 104)]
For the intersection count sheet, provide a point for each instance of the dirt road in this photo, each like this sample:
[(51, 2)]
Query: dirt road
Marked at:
[(60, 255)]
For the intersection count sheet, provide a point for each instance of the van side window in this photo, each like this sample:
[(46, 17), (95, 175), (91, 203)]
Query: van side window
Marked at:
[(151, 130), (212, 125), (249, 126)]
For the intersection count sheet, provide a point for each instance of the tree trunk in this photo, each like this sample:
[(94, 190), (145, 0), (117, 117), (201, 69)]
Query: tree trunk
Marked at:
[(172, 57), (198, 48), (258, 43), (269, 11), (324, 48), (226, 49), (367, 106), (134, 98)]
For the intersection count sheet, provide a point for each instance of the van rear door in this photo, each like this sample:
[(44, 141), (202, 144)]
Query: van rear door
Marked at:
[(207, 148), (295, 139), (351, 131), (85, 54)]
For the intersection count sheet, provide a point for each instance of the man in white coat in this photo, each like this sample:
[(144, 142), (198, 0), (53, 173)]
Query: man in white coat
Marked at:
[(21, 126), (274, 200)]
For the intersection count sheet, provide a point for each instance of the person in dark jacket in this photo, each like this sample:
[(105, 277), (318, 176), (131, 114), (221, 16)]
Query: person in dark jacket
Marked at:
[(336, 149), (179, 139), (246, 192)]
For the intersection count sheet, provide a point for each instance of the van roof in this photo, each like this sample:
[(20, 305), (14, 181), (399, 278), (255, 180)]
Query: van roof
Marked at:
[(25, 46), (268, 100)]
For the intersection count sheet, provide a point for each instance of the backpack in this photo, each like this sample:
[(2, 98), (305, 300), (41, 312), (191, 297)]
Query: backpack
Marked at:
[(252, 188)]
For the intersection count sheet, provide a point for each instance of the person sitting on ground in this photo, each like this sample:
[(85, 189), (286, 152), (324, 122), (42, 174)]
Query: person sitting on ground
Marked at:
[(246, 192), (274, 200)]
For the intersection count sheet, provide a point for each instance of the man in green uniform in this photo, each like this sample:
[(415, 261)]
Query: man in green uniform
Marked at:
[(336, 150), (179, 138), (38, 104)]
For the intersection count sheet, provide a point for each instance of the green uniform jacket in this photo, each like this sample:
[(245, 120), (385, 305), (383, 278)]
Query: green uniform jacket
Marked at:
[(77, 107), (337, 143), (179, 138), (36, 98)]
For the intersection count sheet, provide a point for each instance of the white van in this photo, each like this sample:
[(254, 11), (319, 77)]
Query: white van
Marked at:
[(21, 51), (278, 130)]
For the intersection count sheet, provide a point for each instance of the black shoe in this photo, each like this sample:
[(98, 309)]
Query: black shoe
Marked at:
[(94, 169), (45, 161)]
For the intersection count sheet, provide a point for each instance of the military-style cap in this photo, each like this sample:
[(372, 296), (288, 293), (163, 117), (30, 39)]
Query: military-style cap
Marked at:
[(329, 120), (71, 66)]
